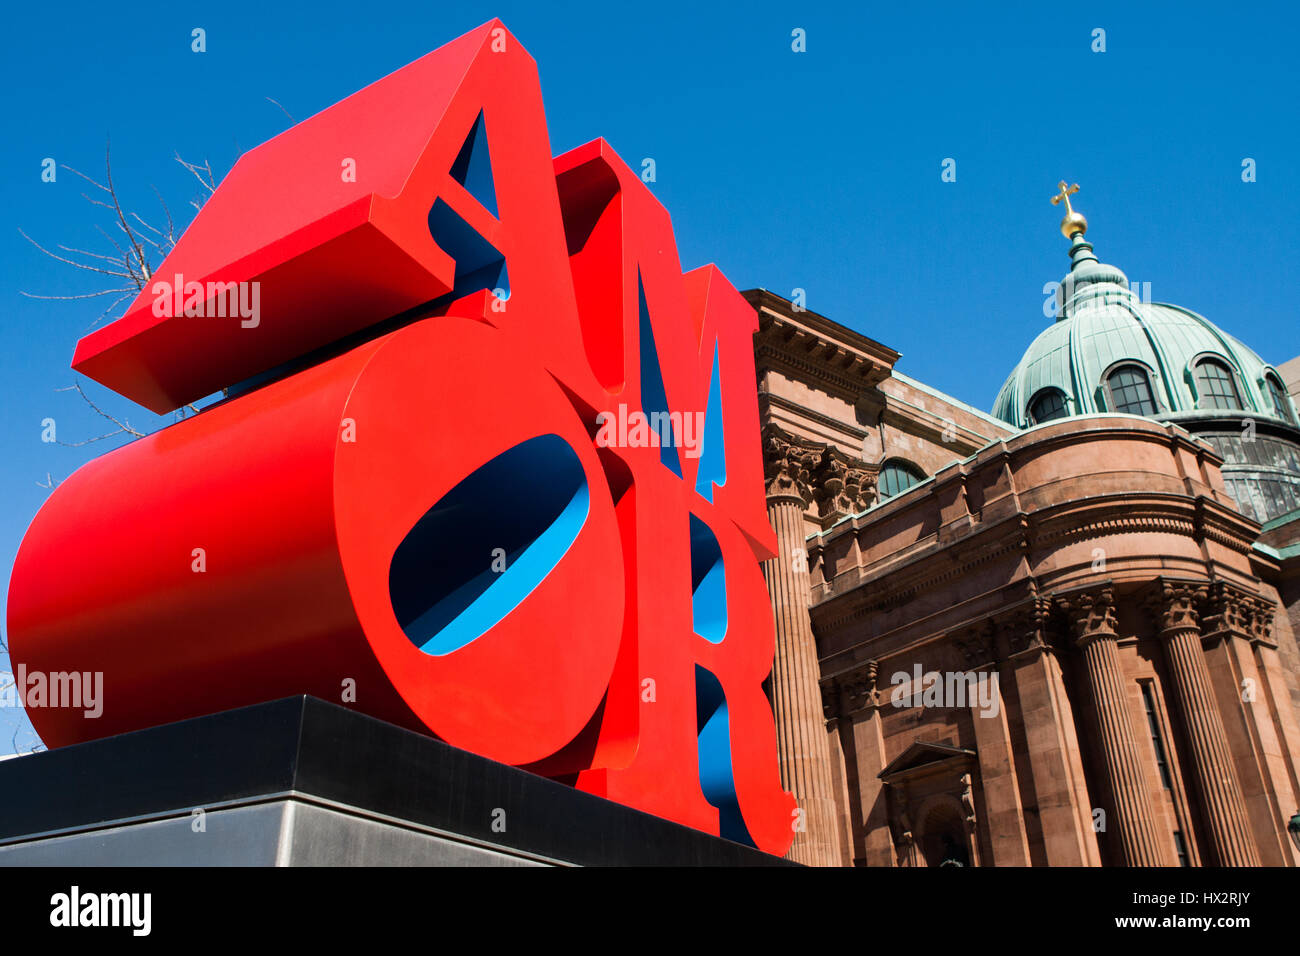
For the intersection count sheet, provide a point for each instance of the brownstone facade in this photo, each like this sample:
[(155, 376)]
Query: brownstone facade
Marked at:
[(1063, 646)]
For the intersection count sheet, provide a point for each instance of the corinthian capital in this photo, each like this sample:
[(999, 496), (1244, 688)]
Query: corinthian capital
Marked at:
[(816, 472), (849, 693), (1028, 628), (1091, 613), (788, 465), (1262, 611), (1227, 611), (1174, 604), (841, 485)]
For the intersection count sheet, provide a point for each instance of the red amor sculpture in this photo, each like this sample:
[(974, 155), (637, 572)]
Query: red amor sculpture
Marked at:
[(408, 501)]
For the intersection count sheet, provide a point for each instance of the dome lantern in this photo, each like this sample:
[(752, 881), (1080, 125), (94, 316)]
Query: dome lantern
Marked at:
[(1109, 351)]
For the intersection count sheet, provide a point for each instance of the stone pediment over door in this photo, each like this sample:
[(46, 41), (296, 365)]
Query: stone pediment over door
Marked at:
[(930, 789), (920, 755)]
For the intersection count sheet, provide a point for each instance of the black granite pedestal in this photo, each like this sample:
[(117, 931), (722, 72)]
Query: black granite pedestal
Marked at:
[(301, 782)]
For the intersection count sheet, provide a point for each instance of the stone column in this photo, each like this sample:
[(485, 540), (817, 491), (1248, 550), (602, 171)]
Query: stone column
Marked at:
[(1173, 605), (859, 712), (1092, 615), (803, 748), (1268, 661), (1056, 769), (1003, 813), (838, 731), (1242, 688)]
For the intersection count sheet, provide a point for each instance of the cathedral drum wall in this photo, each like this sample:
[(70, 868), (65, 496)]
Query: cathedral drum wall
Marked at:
[(1091, 556), (1107, 546)]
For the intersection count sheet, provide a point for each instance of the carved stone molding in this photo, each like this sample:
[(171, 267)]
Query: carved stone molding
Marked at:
[(1262, 612), (849, 693), (1029, 628), (967, 802), (977, 646), (811, 348), (1227, 611), (905, 842)]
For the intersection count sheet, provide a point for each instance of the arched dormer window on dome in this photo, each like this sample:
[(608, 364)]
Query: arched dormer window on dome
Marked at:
[(1281, 402), (1216, 386), (896, 476), (1046, 405), (1128, 386)]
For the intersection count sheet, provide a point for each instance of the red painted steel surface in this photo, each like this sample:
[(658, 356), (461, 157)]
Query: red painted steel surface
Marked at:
[(591, 677)]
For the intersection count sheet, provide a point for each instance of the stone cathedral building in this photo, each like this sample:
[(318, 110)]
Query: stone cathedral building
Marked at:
[(1060, 634)]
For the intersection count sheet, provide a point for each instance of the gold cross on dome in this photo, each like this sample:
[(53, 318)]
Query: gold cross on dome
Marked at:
[(1064, 196)]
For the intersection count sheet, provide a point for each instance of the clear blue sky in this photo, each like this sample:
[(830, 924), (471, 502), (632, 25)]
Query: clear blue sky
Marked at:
[(818, 170)]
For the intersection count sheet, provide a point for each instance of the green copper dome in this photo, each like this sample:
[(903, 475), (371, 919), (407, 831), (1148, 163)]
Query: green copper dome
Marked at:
[(1108, 351)]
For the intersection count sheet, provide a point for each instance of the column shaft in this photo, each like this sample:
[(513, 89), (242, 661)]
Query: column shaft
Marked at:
[(1092, 614), (1131, 800), (804, 750), (1212, 764)]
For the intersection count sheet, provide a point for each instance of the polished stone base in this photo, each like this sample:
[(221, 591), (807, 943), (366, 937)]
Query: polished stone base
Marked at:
[(299, 782)]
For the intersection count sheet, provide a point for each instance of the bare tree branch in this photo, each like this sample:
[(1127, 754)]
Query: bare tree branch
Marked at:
[(122, 424), (282, 109), (73, 262), (77, 172), (208, 184), (133, 242), (84, 295), (171, 226), (121, 217), (83, 252)]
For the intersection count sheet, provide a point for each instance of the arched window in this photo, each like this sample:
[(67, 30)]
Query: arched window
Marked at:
[(1278, 396), (1130, 390), (1216, 386), (1047, 404), (897, 476)]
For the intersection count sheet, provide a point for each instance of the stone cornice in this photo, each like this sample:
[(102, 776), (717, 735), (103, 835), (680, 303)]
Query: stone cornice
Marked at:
[(768, 400), (1225, 526), (1018, 520), (914, 420), (771, 304), (885, 597), (1217, 520), (934, 565), (806, 368), (813, 349)]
